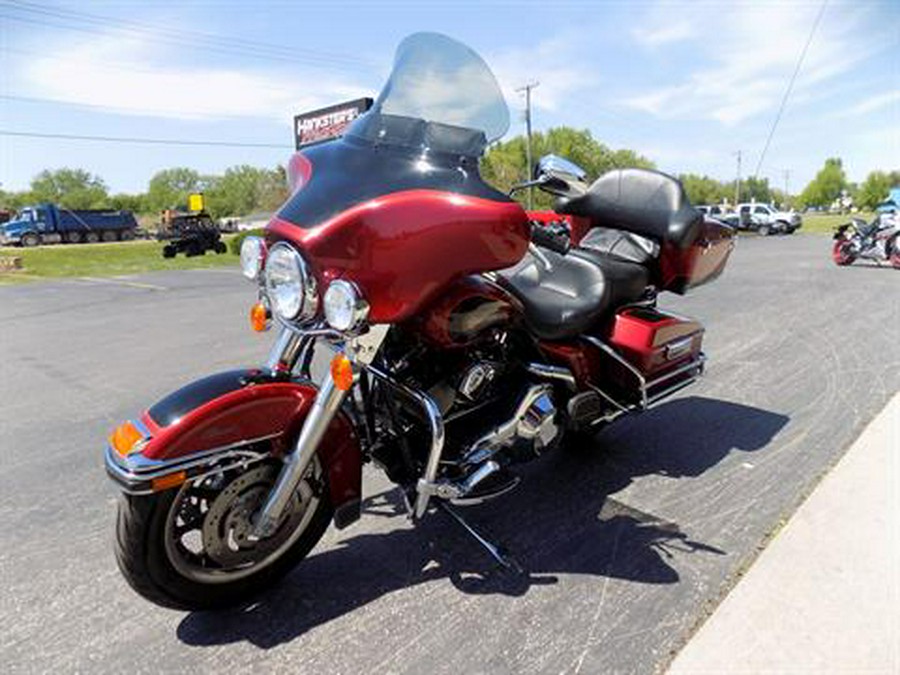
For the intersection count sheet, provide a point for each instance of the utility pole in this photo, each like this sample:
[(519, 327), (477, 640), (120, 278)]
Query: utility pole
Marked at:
[(527, 89), (737, 183)]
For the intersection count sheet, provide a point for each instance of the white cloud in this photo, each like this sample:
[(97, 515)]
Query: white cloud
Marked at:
[(874, 103), (665, 34), (552, 63), (125, 75), (752, 53)]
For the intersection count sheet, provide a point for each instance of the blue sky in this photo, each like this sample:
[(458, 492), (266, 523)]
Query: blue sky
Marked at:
[(686, 84)]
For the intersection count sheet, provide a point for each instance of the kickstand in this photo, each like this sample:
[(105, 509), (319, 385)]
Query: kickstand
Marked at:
[(496, 551)]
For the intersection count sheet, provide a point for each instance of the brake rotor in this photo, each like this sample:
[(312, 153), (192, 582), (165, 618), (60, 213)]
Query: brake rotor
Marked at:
[(228, 525)]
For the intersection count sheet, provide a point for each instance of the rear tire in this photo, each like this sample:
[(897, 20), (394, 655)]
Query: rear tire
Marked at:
[(169, 251), (764, 230), (220, 247), (92, 237), (73, 237), (144, 558), (108, 235)]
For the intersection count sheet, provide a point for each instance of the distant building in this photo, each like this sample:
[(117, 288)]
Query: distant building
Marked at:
[(253, 221), (892, 203)]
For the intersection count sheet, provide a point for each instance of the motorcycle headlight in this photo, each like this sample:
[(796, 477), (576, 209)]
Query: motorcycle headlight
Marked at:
[(290, 286), (345, 309), (253, 255)]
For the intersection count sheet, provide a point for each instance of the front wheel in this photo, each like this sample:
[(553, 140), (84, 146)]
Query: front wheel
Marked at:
[(842, 253), (190, 548)]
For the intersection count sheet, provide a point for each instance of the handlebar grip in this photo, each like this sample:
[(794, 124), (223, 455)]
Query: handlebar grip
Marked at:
[(541, 236)]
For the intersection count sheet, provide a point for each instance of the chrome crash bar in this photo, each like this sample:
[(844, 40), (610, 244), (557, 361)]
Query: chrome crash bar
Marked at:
[(647, 396)]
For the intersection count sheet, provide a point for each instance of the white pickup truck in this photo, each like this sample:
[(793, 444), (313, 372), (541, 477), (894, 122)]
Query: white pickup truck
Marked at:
[(766, 219)]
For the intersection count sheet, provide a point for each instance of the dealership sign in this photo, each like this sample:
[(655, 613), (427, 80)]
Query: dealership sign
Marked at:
[(327, 123)]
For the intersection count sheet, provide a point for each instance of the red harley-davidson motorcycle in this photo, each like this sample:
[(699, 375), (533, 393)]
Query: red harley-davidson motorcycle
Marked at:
[(456, 340)]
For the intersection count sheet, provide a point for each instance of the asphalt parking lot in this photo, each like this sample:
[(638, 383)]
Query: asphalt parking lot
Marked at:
[(626, 545)]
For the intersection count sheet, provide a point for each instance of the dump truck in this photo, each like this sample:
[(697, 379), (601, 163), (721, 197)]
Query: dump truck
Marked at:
[(50, 224)]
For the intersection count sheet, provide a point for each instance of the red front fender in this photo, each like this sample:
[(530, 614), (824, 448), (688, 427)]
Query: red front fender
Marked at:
[(235, 408)]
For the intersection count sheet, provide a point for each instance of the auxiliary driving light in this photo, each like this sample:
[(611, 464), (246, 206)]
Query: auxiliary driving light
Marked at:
[(253, 256), (345, 309)]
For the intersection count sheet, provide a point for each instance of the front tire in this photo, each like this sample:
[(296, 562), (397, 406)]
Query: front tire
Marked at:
[(842, 253), (153, 540)]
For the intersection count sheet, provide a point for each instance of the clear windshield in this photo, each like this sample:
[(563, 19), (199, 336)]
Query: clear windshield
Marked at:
[(445, 86)]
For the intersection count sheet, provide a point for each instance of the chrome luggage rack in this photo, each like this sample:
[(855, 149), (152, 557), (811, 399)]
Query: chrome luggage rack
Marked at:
[(649, 391)]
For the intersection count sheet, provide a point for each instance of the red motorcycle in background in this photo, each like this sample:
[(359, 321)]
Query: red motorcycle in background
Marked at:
[(457, 339), (878, 241)]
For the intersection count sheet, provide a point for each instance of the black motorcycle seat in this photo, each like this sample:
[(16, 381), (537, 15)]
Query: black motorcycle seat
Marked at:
[(645, 202), (620, 244), (579, 289)]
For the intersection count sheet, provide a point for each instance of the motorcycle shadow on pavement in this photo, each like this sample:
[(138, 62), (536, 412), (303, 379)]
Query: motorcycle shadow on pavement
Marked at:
[(561, 520)]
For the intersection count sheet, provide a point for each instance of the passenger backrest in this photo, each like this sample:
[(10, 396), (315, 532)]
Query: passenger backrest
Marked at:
[(642, 201)]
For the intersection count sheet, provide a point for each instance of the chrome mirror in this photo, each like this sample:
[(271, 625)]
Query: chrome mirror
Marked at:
[(560, 177), (559, 167)]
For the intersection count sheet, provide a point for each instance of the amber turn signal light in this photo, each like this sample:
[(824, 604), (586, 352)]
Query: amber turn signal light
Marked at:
[(166, 482), (342, 372), (125, 437), (259, 317)]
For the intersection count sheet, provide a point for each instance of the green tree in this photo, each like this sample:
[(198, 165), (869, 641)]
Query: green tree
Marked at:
[(71, 188), (14, 200), (505, 164), (126, 202), (826, 186), (756, 190), (703, 189), (273, 189), (874, 189), (244, 189), (170, 188)]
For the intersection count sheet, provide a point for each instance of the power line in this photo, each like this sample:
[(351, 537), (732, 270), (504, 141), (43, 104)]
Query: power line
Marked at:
[(192, 36), (113, 109), (787, 93), (141, 140), (96, 24)]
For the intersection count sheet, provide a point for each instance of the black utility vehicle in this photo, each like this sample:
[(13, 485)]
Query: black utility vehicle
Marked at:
[(191, 234)]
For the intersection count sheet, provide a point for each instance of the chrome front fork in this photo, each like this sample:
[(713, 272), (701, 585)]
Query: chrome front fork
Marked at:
[(328, 402), (361, 351)]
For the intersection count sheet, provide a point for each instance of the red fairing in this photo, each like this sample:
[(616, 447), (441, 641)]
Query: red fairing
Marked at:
[(259, 411), (404, 248)]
